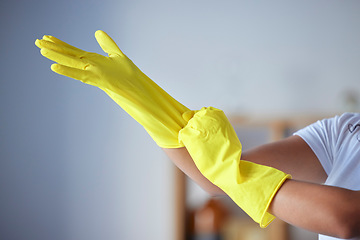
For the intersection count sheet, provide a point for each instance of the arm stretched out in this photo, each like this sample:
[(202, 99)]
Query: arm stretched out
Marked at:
[(296, 201), (303, 201)]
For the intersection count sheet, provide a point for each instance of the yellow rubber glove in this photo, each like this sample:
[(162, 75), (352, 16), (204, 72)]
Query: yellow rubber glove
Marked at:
[(126, 84), (216, 150)]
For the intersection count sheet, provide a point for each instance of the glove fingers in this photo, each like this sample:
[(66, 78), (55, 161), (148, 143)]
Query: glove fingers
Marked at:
[(72, 51), (78, 74), (64, 59), (59, 42), (107, 44)]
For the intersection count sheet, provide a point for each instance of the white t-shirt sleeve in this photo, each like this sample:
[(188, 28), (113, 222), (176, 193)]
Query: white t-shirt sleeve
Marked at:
[(336, 143), (322, 137)]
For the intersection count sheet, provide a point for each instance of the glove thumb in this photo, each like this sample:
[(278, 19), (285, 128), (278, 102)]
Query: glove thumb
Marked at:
[(106, 43)]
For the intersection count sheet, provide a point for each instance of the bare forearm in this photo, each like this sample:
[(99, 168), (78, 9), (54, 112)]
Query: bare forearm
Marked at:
[(274, 155), (322, 209)]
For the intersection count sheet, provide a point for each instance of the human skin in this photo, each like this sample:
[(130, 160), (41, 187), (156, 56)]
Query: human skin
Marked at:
[(302, 201), (337, 210)]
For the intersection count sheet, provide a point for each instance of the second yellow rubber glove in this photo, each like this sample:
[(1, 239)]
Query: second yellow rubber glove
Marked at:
[(123, 81), (216, 150)]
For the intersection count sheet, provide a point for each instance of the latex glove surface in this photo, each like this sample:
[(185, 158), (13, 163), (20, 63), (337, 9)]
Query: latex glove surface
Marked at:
[(123, 81), (216, 150)]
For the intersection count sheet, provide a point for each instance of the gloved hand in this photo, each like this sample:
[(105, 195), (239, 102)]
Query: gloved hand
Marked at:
[(216, 150), (126, 84)]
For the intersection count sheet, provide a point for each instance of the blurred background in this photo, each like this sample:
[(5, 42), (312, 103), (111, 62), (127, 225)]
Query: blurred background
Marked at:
[(73, 165)]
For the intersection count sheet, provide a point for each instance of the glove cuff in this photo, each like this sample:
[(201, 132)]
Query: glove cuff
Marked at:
[(216, 150)]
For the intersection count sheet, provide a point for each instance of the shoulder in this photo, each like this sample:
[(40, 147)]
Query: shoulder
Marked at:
[(341, 129), (331, 136), (329, 128), (344, 119)]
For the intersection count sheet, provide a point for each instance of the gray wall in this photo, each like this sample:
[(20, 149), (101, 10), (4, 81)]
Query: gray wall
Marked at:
[(75, 166)]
